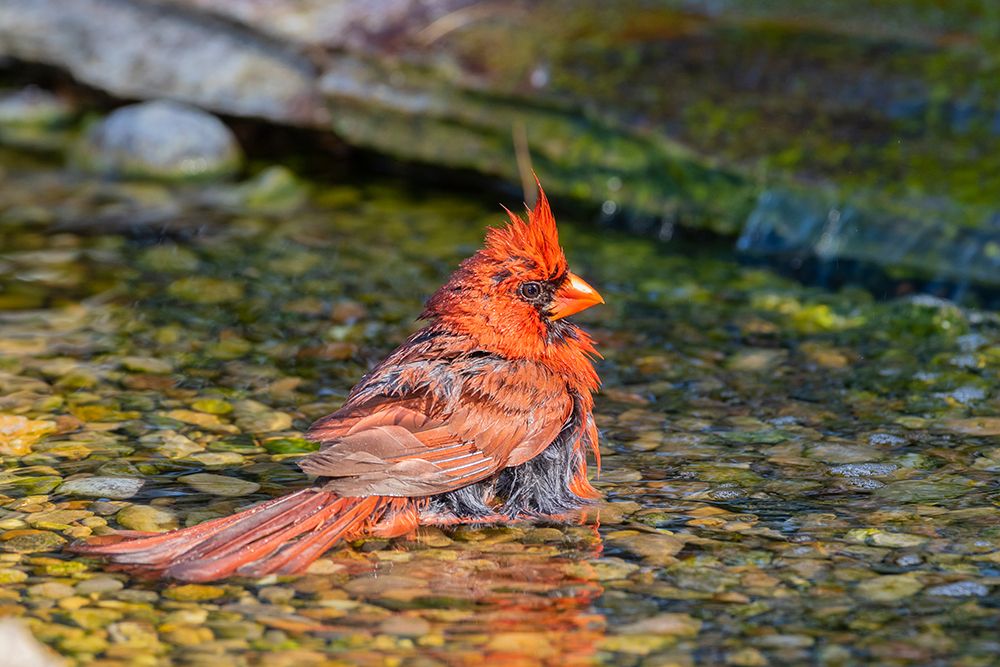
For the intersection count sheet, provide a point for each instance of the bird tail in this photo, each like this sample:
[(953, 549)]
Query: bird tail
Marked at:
[(283, 536)]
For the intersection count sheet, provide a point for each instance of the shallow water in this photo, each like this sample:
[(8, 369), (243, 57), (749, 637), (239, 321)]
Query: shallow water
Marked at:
[(792, 475)]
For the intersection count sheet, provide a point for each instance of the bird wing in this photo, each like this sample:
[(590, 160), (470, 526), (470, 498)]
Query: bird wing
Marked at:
[(462, 424)]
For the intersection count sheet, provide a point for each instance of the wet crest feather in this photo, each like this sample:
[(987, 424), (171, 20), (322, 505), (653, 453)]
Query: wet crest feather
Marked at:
[(535, 239)]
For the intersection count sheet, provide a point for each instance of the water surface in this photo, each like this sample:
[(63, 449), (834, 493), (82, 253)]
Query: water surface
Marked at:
[(792, 475)]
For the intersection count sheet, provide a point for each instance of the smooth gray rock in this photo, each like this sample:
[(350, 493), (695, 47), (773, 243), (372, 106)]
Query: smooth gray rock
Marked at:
[(959, 589), (117, 488), (160, 139)]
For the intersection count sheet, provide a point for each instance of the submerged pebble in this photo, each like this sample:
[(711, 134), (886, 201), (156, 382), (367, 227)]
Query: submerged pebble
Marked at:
[(889, 588), (99, 585), (959, 589), (117, 488), (147, 518), (681, 625), (194, 593), (886, 439), (864, 469), (30, 541), (220, 485), (18, 433)]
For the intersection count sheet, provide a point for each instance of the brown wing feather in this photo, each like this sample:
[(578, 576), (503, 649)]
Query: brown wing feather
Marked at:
[(381, 455), (395, 448)]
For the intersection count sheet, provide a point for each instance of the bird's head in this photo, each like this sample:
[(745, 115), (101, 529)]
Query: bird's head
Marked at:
[(513, 295)]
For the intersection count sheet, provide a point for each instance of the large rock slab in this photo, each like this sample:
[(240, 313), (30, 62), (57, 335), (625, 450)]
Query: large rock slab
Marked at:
[(144, 50)]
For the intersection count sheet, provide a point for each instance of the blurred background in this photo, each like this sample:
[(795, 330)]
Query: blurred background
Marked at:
[(838, 139)]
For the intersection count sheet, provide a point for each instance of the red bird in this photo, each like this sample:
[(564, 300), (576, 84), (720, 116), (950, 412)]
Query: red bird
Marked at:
[(482, 416)]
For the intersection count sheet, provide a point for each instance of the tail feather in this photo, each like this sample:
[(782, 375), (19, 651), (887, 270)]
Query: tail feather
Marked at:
[(121, 543), (337, 525), (258, 548), (242, 533), (282, 535)]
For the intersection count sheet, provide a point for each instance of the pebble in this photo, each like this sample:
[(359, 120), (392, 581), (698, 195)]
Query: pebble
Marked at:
[(146, 365), (275, 190), (218, 459), (160, 139), (168, 257), (213, 406), (889, 588), (205, 291), (55, 567), (283, 446), (839, 452), (959, 589), (433, 537), (607, 569), (756, 361), (95, 619), (11, 576), (919, 491), (276, 594), (636, 644), (680, 625), (147, 518), (864, 469), (886, 440), (866, 483), (56, 519), (30, 541), (115, 488), (374, 586), (657, 548), (135, 635), (781, 640), (405, 626), (106, 507), (51, 590), (99, 585), (881, 538), (255, 417), (171, 444), (18, 434), (968, 395), (220, 485), (612, 513), (194, 593), (746, 657), (534, 644), (974, 426), (324, 566), (202, 420), (187, 616)]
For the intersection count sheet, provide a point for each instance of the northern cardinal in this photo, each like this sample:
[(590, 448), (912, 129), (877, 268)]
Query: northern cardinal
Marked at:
[(482, 416)]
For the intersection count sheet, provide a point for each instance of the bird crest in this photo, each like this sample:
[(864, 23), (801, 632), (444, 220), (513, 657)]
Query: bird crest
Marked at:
[(535, 239)]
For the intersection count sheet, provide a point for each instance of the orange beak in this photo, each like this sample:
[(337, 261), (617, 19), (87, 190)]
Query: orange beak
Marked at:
[(575, 295)]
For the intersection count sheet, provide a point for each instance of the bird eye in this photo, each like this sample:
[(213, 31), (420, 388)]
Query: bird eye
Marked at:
[(530, 290)]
